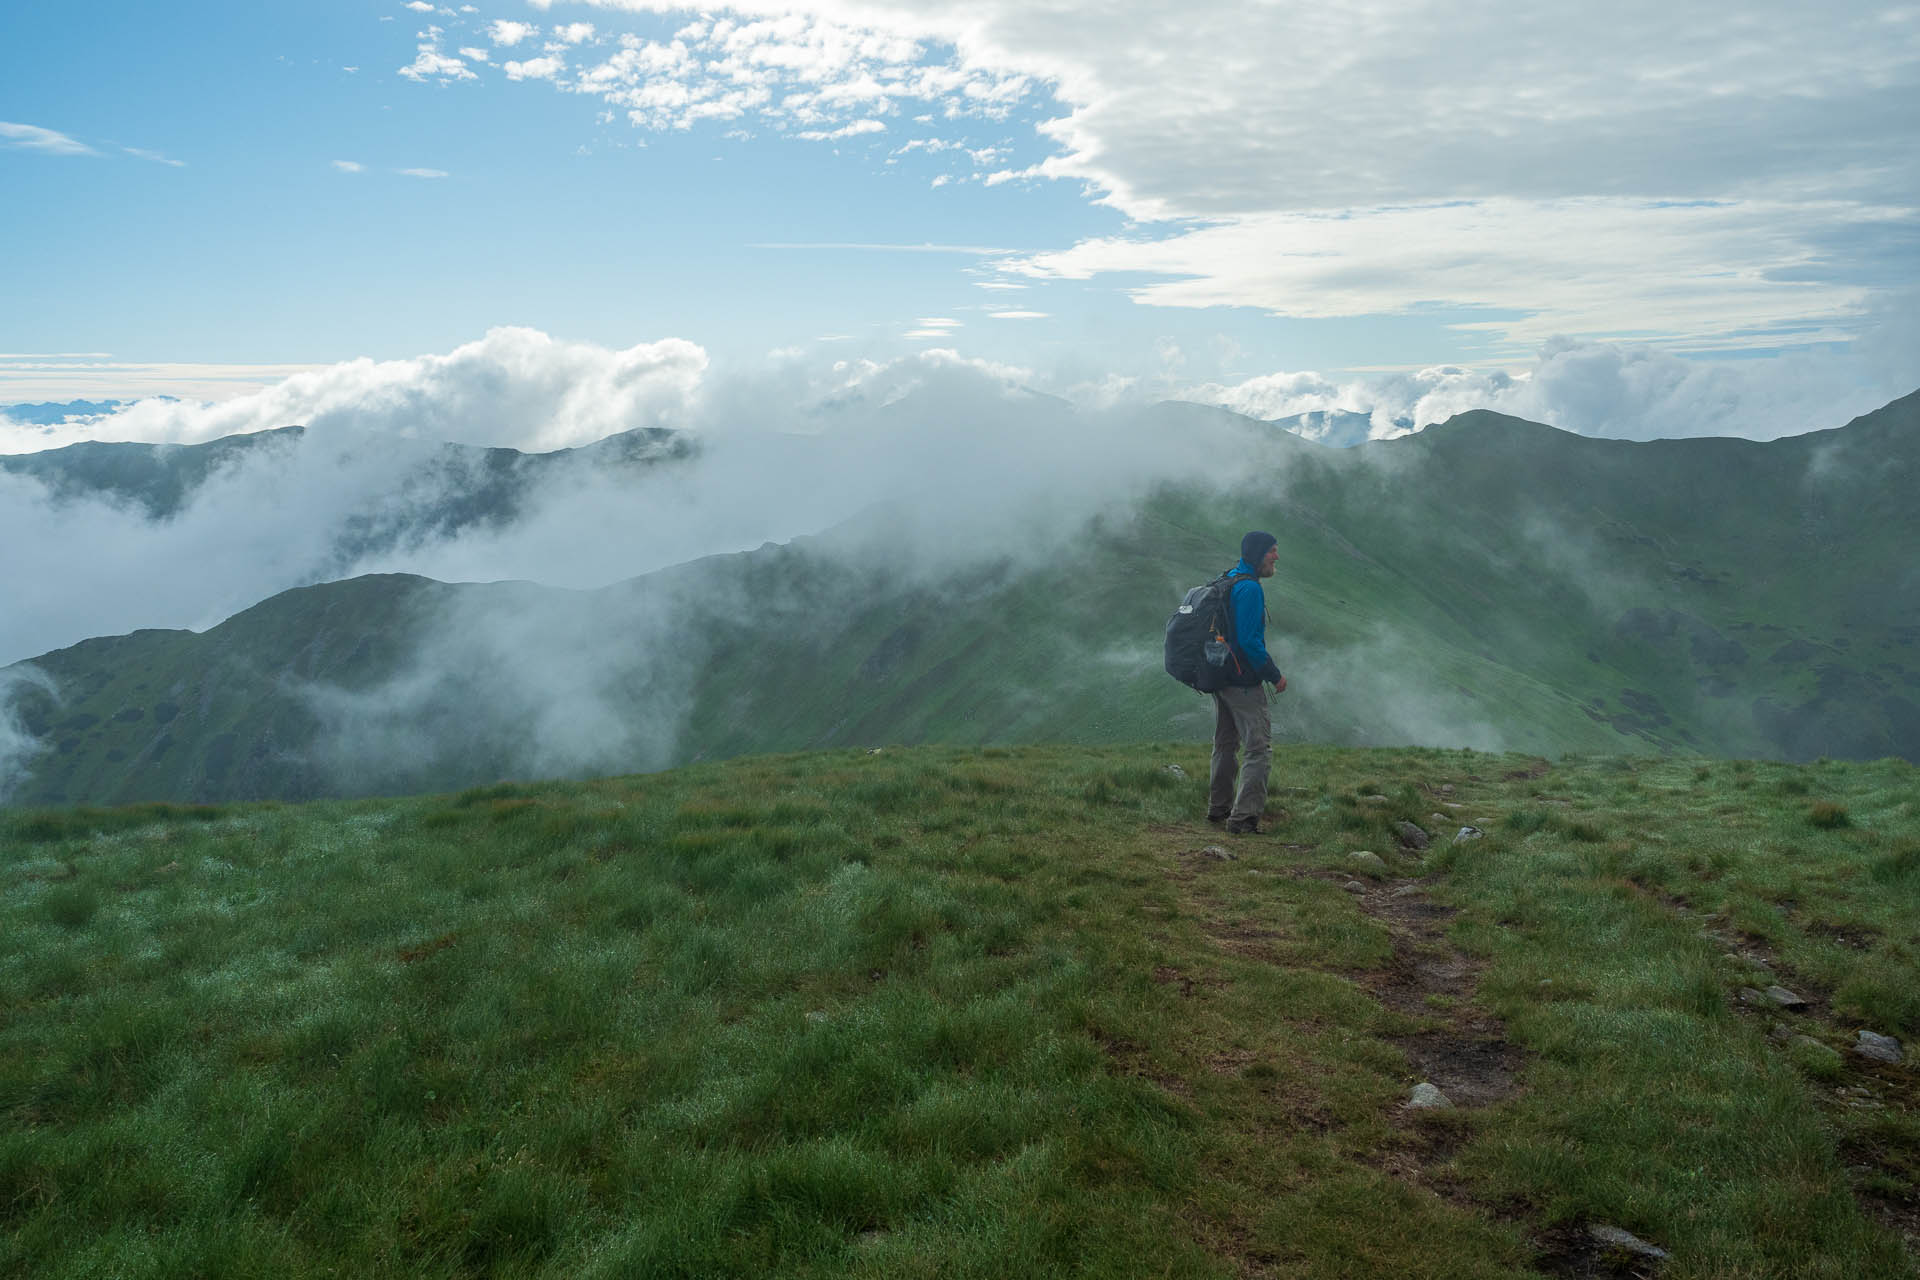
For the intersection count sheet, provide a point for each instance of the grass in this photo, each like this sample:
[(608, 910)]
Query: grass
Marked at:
[(961, 1013)]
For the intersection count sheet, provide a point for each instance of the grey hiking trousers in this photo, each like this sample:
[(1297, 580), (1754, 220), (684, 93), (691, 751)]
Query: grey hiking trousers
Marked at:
[(1240, 719)]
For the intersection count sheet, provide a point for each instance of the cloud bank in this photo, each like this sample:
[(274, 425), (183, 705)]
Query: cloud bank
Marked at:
[(514, 388), (984, 465), (1617, 391), (989, 459)]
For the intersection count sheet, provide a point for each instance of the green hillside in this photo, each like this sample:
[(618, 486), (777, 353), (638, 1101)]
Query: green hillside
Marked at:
[(1488, 583), (975, 1012)]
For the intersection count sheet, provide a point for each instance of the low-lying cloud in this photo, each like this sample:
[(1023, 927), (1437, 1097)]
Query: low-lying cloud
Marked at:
[(970, 463), (18, 746), (515, 388), (1619, 391)]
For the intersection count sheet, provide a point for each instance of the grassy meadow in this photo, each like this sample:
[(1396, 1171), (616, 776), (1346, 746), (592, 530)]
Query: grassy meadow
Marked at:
[(972, 1013)]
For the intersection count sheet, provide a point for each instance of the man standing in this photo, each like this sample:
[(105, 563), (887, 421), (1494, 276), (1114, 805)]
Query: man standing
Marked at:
[(1240, 717)]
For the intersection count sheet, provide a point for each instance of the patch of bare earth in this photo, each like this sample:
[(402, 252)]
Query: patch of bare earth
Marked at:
[(1468, 1058)]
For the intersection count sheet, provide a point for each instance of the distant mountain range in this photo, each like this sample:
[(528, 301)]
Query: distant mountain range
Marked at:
[(51, 413), (1488, 582)]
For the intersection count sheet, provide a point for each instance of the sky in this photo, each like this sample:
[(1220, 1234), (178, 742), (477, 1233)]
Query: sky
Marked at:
[(1637, 219)]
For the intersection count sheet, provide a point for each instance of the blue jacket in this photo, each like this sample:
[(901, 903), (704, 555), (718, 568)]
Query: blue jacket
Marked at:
[(1249, 605)]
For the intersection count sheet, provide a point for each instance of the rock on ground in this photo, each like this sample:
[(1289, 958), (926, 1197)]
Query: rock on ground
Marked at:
[(1617, 1238), (1427, 1095), (1878, 1047)]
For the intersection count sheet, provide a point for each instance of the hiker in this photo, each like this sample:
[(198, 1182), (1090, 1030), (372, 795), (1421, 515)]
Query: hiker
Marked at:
[(1240, 717)]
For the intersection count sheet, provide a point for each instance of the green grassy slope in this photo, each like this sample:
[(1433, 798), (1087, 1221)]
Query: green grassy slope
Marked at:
[(1489, 582), (972, 1012), (155, 478)]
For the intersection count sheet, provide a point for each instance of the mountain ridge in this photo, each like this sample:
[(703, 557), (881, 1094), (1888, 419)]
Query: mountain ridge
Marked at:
[(1554, 595)]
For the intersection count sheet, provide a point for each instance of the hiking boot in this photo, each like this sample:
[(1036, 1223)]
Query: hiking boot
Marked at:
[(1243, 826), (1217, 818)]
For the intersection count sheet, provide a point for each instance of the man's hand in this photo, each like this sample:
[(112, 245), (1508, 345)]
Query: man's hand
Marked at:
[(1280, 685)]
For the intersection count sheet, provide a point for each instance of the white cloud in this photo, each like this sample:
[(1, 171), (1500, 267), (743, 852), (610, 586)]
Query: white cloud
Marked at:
[(1708, 275), (431, 64), (422, 173), (419, 6), (853, 130), (34, 138), (475, 55), (1616, 390), (349, 166), (1252, 125), (784, 448), (154, 156), (516, 388), (574, 32), (817, 71), (503, 32), (535, 69), (1018, 315)]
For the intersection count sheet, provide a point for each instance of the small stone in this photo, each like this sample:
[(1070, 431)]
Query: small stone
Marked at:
[(1438, 817), (1469, 833), (873, 751), (816, 1015), (1426, 1095), (1354, 886), (1369, 859), (1407, 891), (1412, 836), (1616, 1238), (1810, 1043), (1753, 999), (1780, 1033), (1218, 854), (1878, 1047), (1446, 788), (1176, 771), (1785, 998)]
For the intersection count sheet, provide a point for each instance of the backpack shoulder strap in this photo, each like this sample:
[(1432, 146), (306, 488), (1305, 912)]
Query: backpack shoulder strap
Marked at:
[(1229, 581)]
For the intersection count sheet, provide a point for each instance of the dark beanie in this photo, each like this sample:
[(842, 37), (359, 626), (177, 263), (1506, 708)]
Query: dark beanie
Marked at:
[(1254, 546)]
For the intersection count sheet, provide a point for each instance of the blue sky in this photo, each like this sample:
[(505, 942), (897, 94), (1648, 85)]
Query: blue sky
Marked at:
[(1356, 203)]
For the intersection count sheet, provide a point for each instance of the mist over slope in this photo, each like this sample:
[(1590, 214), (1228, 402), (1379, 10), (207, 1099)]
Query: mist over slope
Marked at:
[(129, 534), (1489, 583)]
